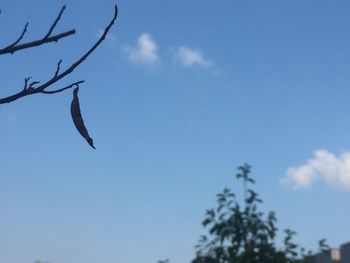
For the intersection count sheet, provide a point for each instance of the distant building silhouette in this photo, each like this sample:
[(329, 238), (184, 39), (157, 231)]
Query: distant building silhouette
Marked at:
[(341, 255)]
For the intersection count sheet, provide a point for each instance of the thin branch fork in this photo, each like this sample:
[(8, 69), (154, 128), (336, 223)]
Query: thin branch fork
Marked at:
[(15, 46), (58, 76)]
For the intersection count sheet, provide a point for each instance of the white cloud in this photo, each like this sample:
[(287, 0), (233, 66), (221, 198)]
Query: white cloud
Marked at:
[(145, 52), (325, 166), (192, 57)]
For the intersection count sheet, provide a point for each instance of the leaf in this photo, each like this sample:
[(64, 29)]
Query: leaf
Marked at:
[(206, 221), (78, 118), (251, 180)]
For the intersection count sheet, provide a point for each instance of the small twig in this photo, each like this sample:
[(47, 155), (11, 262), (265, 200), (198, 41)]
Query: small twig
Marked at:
[(31, 85), (19, 38), (55, 22), (26, 83), (58, 68), (75, 84)]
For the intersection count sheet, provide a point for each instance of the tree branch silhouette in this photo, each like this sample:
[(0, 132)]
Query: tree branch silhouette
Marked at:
[(15, 46), (33, 87)]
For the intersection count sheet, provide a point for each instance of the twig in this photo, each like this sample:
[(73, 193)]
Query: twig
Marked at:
[(58, 68), (31, 85), (26, 83), (55, 22), (75, 84), (19, 38)]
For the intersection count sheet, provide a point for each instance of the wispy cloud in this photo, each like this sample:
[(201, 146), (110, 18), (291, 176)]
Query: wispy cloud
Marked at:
[(145, 51), (324, 165), (190, 57)]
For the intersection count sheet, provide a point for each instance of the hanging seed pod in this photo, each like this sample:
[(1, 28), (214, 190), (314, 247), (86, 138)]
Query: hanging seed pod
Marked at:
[(78, 118)]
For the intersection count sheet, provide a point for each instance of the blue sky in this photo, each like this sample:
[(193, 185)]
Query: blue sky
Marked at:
[(178, 96)]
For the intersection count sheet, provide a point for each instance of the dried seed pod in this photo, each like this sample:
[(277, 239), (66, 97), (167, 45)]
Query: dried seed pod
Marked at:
[(78, 118)]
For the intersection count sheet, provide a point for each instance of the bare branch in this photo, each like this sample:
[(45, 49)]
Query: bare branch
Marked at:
[(58, 76), (14, 47), (55, 38), (85, 56), (73, 85)]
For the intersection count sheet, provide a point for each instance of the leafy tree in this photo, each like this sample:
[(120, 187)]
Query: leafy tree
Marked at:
[(32, 87), (243, 234)]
